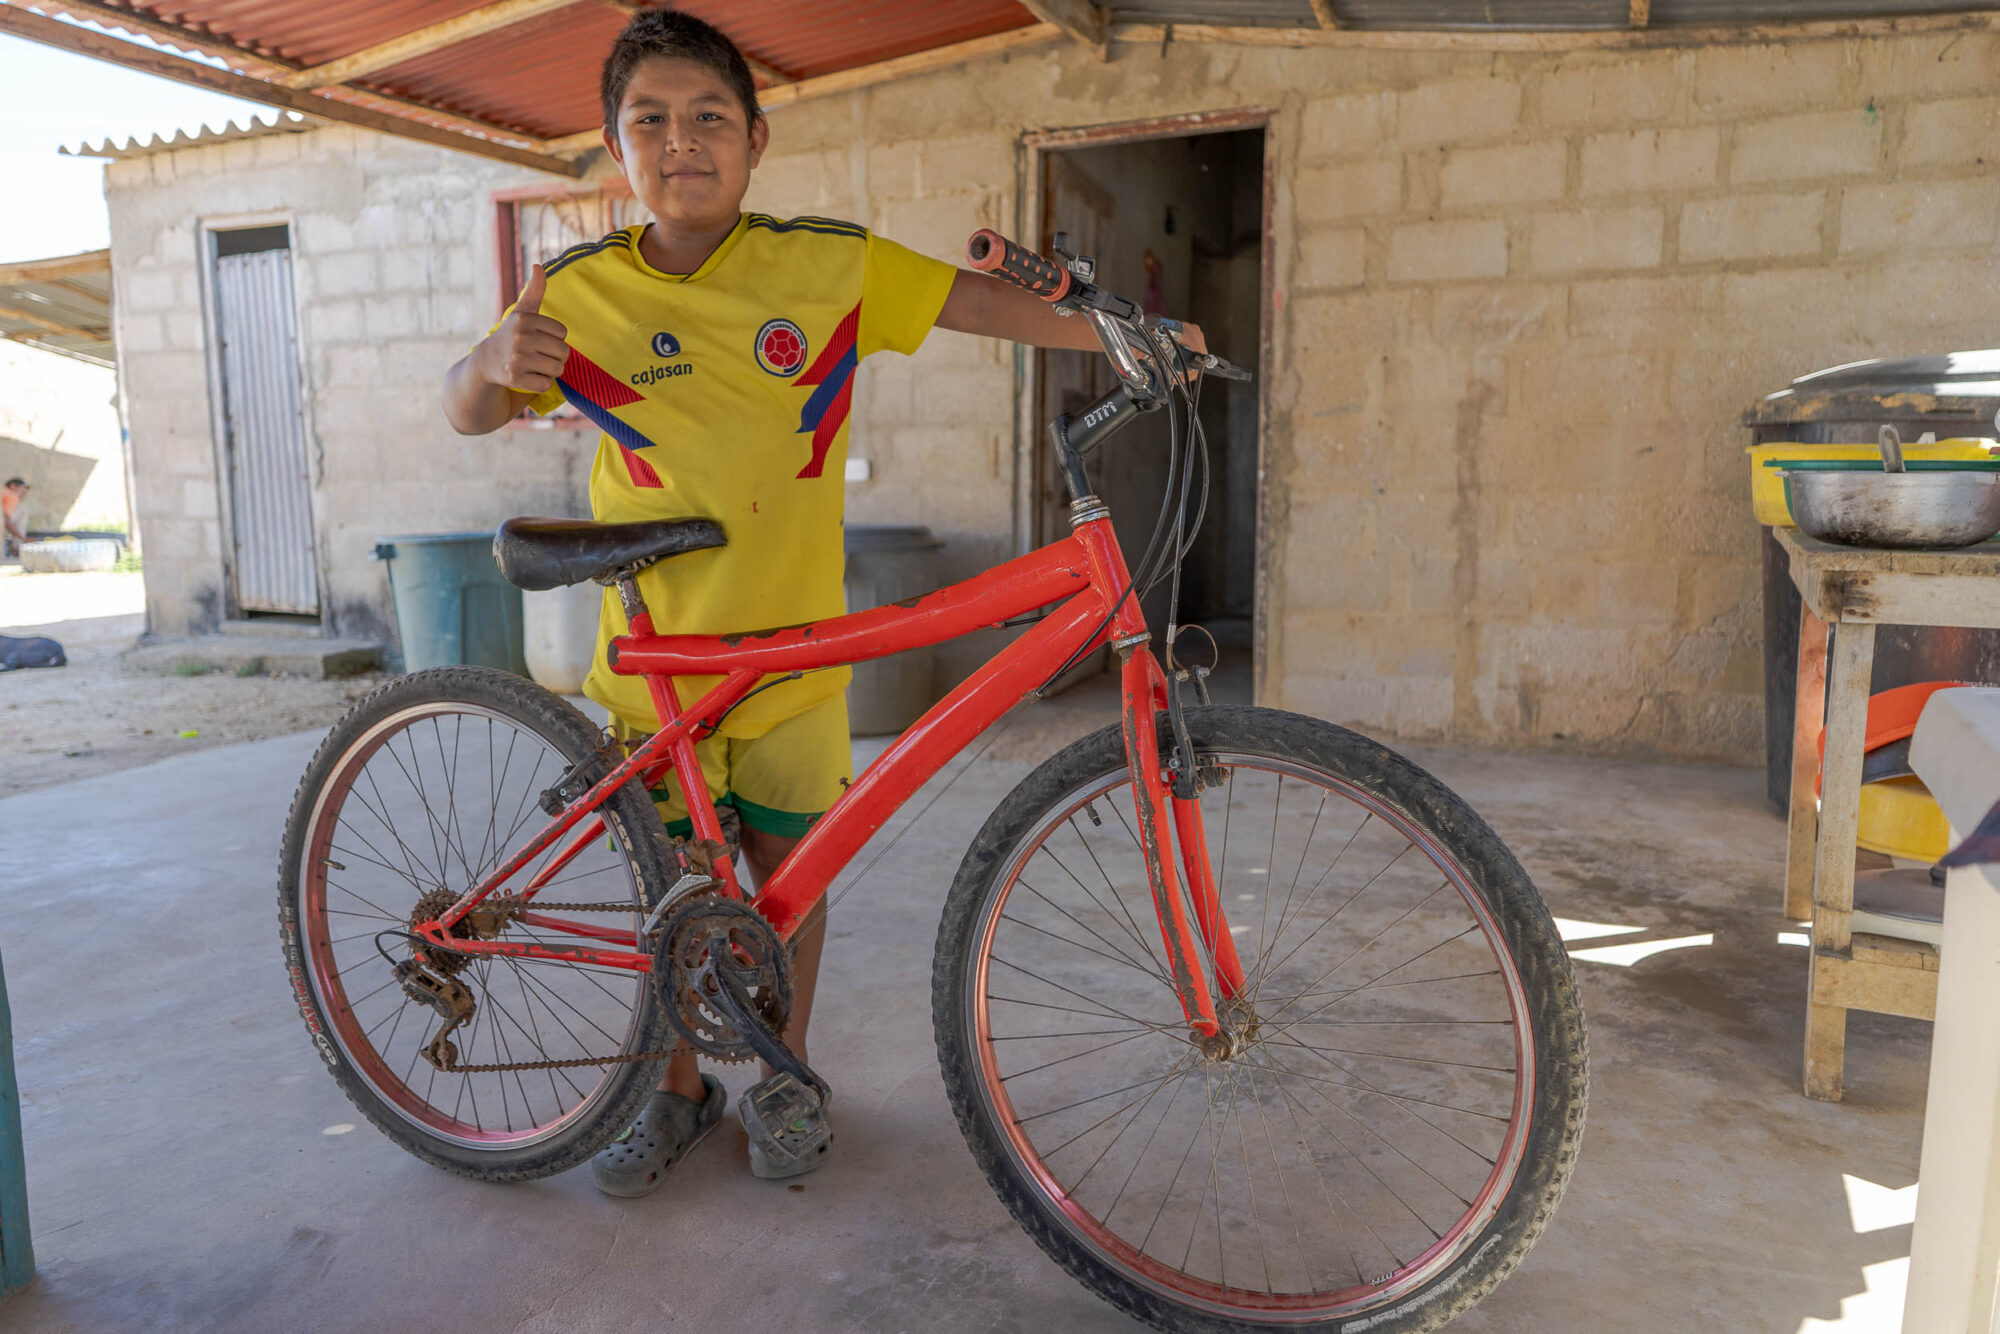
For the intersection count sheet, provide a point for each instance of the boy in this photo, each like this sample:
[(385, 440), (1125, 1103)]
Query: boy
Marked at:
[(717, 349)]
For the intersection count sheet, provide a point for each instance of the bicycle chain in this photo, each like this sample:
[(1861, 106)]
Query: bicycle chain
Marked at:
[(512, 905)]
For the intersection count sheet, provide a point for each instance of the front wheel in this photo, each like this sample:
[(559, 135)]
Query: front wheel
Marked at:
[(1405, 1096)]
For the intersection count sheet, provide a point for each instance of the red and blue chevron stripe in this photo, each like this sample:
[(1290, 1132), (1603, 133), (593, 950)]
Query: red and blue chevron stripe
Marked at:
[(595, 392), (832, 378)]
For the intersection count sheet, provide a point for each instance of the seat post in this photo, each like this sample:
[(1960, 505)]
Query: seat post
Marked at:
[(637, 616)]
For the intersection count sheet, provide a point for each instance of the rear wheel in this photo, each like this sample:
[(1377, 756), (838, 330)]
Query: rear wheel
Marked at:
[(1405, 1098), (425, 787)]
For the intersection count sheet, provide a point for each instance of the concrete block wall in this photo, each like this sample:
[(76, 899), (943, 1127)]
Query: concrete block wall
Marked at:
[(394, 276), (1520, 300)]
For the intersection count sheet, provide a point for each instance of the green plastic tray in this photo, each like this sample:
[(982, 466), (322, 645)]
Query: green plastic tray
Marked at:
[(1875, 465)]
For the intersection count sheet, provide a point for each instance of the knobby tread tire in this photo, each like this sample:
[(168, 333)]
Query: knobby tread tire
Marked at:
[(1554, 1012), (631, 814)]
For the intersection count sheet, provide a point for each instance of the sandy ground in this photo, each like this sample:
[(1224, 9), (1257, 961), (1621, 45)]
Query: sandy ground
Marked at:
[(95, 716)]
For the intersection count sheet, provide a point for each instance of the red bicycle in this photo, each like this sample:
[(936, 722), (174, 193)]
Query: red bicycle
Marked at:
[(1249, 1020)]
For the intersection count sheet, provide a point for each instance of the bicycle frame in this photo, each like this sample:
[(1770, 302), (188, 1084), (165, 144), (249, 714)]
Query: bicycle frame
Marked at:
[(1084, 573)]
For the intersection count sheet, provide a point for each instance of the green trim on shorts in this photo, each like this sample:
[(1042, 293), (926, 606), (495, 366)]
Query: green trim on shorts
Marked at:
[(770, 820), (764, 819)]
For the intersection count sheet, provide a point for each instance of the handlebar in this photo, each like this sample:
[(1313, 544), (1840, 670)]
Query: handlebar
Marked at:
[(1119, 322), (990, 252)]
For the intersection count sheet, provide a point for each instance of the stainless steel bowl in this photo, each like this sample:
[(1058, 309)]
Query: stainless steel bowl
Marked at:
[(1914, 511)]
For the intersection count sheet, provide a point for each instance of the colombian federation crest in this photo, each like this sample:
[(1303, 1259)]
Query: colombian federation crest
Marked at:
[(781, 348)]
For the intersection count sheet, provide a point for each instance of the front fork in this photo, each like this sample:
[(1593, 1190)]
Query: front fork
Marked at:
[(1166, 822)]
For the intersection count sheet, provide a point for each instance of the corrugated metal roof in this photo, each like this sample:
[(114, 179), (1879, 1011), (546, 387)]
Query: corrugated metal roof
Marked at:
[(61, 304), (1486, 14), (257, 127), (305, 32)]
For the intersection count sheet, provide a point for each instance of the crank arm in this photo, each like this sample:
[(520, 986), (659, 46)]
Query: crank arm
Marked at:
[(729, 997)]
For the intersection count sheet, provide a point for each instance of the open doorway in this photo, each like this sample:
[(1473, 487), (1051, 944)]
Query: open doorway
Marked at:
[(1177, 224)]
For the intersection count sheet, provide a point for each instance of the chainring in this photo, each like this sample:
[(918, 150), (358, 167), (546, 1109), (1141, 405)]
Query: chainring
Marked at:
[(756, 957)]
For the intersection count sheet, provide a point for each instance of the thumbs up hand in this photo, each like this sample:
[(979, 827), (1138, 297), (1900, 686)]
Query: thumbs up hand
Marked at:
[(528, 351)]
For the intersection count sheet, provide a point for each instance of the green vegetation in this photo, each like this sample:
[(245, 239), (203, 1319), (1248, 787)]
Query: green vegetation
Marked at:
[(253, 667), (190, 667)]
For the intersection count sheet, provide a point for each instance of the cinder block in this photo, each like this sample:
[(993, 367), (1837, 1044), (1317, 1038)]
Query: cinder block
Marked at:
[(1751, 227), (1440, 251), (1597, 238), (1926, 65), (970, 162), (892, 170), (1344, 126), (1348, 189), (1599, 92), (1329, 259), (1797, 148), (1919, 215), (1508, 174), (1730, 80), (1642, 161), (1462, 111), (1961, 132), (353, 272), (147, 289)]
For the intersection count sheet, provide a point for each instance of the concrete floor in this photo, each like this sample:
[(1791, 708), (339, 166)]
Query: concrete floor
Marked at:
[(192, 1166)]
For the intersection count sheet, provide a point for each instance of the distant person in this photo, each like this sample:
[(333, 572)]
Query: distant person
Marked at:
[(14, 510)]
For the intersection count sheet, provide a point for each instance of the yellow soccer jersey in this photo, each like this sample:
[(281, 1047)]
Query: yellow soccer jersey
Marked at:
[(724, 394)]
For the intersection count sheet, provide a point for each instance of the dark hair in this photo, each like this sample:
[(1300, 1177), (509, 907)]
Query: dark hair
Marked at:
[(16, 481), (670, 33)]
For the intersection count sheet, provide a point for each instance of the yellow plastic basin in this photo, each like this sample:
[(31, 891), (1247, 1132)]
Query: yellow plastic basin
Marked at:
[(1767, 485), (1899, 818)]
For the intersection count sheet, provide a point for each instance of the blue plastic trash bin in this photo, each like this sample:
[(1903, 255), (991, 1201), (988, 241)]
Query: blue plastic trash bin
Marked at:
[(452, 605)]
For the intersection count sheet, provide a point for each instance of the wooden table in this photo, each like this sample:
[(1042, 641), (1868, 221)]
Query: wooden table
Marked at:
[(1847, 592)]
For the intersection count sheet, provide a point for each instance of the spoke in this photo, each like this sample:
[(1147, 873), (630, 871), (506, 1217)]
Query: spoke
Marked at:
[(1393, 1148), (1179, 1068), (1076, 1055), (1123, 1186), (1389, 1056), (1123, 916), (1370, 982), (1144, 968), (1325, 922), (1271, 1147), (1399, 1099), (1095, 1014), (1363, 1164), (1083, 1102), (1112, 1013), (1284, 920), (1076, 944), (1366, 944), (1298, 1106)]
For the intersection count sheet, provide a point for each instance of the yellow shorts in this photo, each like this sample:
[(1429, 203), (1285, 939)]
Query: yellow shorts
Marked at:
[(779, 782)]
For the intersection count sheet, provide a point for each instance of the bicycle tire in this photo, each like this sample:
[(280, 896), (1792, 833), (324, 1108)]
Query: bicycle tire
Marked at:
[(636, 836), (1549, 1141)]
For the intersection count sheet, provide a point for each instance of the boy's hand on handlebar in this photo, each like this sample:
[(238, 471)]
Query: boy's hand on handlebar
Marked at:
[(529, 349)]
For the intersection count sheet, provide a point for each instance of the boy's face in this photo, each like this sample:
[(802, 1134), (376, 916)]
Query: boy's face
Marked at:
[(685, 142)]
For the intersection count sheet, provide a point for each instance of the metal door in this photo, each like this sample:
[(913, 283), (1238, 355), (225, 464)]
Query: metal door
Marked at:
[(263, 422)]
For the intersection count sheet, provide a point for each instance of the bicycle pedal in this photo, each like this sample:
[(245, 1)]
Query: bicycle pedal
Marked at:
[(785, 1119)]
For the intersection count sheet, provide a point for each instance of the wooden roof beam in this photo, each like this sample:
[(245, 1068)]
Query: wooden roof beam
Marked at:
[(51, 270), (53, 326), (422, 41), (1581, 39), (1081, 19), (40, 344), (1323, 11), (864, 76), (267, 67), (112, 50)]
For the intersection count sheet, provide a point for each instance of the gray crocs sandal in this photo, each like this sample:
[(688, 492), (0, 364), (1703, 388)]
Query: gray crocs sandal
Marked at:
[(637, 1162)]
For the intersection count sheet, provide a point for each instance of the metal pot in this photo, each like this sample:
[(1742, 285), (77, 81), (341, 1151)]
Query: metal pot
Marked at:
[(1914, 511)]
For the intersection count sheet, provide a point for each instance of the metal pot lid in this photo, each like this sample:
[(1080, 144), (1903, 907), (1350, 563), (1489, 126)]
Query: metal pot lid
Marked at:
[(1951, 385)]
